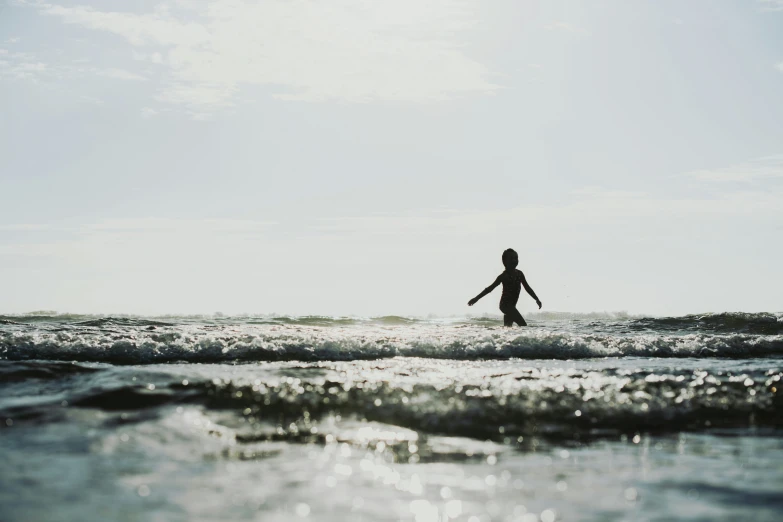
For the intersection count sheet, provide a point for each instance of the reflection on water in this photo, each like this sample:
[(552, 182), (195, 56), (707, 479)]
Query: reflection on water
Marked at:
[(183, 465)]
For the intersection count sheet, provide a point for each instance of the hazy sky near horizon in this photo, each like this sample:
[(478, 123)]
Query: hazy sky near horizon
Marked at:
[(358, 157)]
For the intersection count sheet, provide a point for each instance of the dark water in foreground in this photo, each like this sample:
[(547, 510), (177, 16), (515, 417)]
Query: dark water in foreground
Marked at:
[(263, 418)]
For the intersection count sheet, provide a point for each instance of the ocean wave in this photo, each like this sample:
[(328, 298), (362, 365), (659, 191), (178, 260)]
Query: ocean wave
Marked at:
[(466, 401), (272, 343), (554, 404), (22, 371), (121, 321), (739, 322), (44, 317), (168, 320)]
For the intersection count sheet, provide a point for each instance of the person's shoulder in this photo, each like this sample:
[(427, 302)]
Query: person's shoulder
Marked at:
[(519, 274)]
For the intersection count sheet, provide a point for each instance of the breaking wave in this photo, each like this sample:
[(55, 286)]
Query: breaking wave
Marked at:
[(138, 340), (724, 321), (143, 346)]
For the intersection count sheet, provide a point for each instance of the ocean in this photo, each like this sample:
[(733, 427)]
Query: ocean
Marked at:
[(205, 418)]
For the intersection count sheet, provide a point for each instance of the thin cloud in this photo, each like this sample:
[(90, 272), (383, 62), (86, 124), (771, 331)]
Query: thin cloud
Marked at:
[(121, 74), (26, 227), (35, 67), (588, 207), (565, 27), (20, 68), (771, 5), (92, 99), (177, 225), (754, 171), (342, 50)]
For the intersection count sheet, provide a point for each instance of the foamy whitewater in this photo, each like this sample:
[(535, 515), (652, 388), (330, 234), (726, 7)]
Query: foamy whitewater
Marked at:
[(579, 417)]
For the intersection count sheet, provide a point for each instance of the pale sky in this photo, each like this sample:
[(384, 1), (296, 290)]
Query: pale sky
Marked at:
[(376, 157)]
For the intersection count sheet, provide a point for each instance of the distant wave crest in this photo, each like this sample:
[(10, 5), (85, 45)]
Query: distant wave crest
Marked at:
[(762, 322), (758, 323)]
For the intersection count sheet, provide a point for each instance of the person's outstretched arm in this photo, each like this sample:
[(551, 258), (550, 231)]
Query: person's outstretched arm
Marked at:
[(530, 291), (485, 292)]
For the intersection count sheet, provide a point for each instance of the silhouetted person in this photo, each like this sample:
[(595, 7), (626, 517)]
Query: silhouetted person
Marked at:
[(512, 280)]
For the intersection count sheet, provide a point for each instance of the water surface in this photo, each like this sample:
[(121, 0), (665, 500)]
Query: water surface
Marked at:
[(279, 418)]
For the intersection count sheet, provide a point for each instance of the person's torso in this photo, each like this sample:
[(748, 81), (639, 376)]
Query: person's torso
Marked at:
[(512, 285)]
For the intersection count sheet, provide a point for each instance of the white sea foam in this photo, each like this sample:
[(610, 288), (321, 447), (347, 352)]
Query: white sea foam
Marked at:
[(140, 342)]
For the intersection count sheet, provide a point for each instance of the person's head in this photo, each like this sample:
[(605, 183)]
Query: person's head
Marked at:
[(510, 259)]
